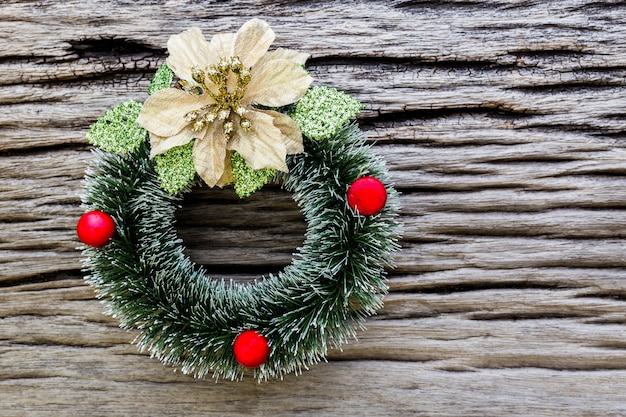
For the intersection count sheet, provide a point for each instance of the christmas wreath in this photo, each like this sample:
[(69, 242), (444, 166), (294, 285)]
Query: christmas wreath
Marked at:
[(238, 115)]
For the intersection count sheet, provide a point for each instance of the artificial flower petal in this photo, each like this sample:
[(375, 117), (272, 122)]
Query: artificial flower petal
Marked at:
[(209, 155), (277, 83), (252, 41), (262, 146), (188, 49), (282, 53), (222, 45), (290, 132), (163, 113), (161, 144), (227, 176)]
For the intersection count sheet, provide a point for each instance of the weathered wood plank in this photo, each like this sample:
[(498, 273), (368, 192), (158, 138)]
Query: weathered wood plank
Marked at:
[(502, 124), (356, 386), (422, 353)]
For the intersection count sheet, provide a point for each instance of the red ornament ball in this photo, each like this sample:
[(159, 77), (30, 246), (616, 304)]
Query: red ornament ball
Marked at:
[(251, 349), (367, 196), (95, 228)]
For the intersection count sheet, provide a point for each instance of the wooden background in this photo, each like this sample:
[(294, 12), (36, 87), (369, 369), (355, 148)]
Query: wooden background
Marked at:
[(503, 123)]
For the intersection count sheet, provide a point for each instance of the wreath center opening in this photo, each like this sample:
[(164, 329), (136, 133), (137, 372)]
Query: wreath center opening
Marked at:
[(240, 239)]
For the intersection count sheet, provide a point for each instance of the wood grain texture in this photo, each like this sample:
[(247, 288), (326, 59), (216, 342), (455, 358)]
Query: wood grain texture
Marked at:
[(503, 125)]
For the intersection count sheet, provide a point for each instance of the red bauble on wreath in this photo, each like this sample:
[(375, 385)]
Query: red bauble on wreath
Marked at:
[(95, 228), (367, 196), (251, 349)]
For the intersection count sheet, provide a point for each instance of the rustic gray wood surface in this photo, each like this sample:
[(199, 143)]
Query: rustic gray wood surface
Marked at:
[(503, 123)]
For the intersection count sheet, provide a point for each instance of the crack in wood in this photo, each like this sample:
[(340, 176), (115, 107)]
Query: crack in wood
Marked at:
[(111, 47)]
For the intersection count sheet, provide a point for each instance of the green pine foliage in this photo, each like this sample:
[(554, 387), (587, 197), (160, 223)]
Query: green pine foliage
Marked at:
[(189, 320)]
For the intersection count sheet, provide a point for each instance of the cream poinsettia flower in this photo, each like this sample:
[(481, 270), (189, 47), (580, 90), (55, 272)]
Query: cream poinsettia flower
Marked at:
[(222, 81)]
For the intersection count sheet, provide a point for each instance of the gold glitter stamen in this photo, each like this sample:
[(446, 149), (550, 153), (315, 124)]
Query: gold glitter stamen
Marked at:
[(226, 83)]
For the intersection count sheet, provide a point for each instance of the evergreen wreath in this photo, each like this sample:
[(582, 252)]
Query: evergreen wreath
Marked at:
[(284, 322)]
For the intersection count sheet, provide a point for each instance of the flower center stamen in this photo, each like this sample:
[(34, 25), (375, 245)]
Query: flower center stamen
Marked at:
[(226, 83)]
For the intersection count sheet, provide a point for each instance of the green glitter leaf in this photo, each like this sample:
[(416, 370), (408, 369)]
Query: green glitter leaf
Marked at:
[(175, 168), (248, 180), (162, 79), (117, 131), (323, 111)]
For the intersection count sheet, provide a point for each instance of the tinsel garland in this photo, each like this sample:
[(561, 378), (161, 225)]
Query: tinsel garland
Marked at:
[(189, 320)]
